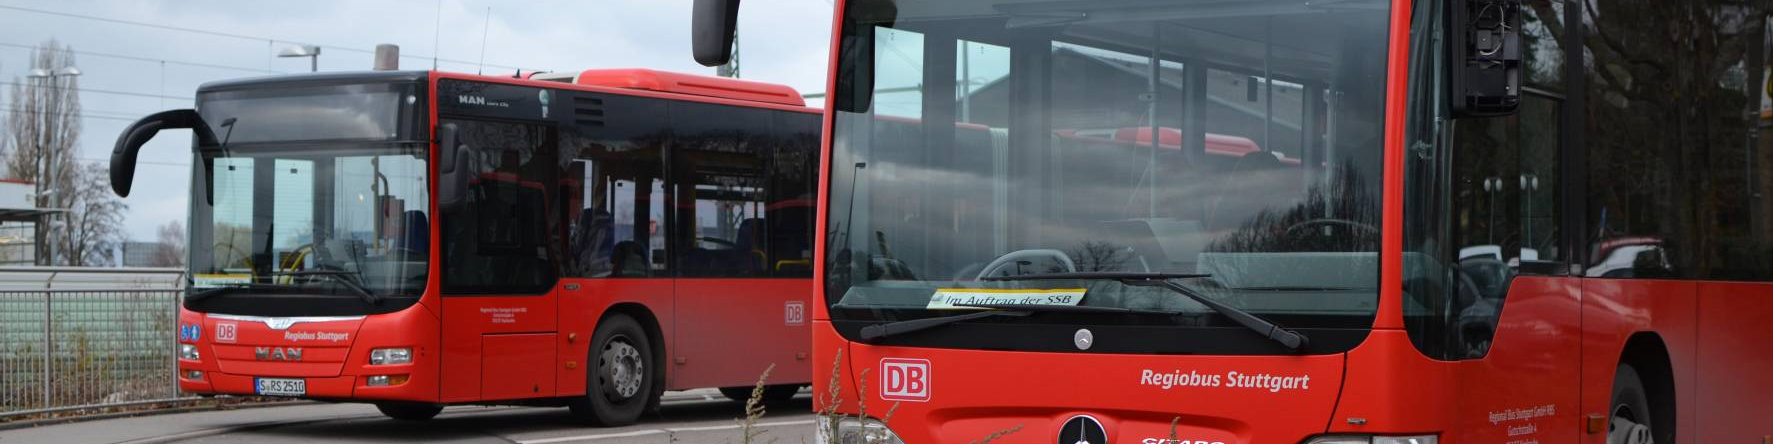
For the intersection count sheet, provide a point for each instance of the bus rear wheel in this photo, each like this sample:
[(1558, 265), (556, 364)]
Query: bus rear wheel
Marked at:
[(619, 382), (1630, 417), (772, 394), (406, 411)]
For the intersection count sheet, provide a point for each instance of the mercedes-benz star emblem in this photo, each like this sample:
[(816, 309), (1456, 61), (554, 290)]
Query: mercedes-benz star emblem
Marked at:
[(1082, 429), (1083, 338)]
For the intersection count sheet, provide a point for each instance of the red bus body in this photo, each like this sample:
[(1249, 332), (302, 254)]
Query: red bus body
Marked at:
[(1548, 377), (531, 348)]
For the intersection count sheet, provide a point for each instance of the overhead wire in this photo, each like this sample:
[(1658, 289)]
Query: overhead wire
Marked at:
[(224, 34), (115, 92), (141, 59), (80, 114)]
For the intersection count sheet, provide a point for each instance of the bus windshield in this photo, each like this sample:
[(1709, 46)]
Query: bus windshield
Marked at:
[(981, 139), (309, 205)]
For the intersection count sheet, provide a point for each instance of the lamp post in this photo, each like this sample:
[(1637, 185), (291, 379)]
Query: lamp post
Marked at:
[(1529, 184), (46, 160), (312, 52), (1492, 186)]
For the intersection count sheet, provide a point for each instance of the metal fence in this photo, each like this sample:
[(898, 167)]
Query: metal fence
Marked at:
[(86, 338)]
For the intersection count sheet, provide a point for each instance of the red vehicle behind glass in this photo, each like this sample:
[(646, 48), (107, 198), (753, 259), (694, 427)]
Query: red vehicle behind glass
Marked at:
[(596, 238), (1291, 221)]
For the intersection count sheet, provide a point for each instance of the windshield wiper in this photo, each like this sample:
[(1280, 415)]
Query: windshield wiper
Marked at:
[(224, 288), (344, 278), (1288, 338), (1295, 288), (878, 331)]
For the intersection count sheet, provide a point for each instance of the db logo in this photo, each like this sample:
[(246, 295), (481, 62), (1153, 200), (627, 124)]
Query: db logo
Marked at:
[(794, 313), (224, 332), (905, 379)]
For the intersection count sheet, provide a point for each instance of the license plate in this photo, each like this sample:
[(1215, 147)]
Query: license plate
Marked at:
[(280, 386)]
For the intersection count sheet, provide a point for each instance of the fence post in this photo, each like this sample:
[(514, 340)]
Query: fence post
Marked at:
[(48, 347), (177, 299)]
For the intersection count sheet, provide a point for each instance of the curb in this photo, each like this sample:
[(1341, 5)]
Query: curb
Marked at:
[(209, 405), (214, 405), (176, 437)]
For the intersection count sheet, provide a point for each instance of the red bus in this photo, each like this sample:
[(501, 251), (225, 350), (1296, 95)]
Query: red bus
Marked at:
[(419, 239), (1460, 221)]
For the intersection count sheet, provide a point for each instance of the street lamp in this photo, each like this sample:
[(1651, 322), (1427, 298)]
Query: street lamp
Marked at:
[(44, 73), (312, 52), (1492, 187), (46, 173), (1529, 184)]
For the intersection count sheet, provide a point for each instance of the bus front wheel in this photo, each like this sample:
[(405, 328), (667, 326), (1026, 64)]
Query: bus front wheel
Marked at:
[(1629, 418), (409, 411), (619, 380)]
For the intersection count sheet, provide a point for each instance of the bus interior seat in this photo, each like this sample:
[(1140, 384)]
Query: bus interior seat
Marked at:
[(747, 249), (592, 240), (628, 259), (417, 230)]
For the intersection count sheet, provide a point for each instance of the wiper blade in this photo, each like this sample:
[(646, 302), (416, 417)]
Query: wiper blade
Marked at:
[(1069, 309), (205, 294), (345, 278), (1295, 288), (1095, 275), (1288, 338), (878, 331)]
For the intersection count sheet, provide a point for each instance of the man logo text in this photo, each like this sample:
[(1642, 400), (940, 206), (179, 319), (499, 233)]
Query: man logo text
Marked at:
[(905, 380)]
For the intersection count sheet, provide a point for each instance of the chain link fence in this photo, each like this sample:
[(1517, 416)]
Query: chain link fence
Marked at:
[(73, 339)]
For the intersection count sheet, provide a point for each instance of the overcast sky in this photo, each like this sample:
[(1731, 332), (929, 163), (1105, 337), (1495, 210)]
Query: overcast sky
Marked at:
[(782, 41)]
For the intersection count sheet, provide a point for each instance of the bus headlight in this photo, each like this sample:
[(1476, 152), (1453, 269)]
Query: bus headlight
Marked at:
[(188, 352), (1366, 439), (852, 431), (382, 356)]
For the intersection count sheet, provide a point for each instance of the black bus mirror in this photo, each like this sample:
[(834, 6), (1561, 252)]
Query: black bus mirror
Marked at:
[(123, 156), (855, 78), (712, 25), (1484, 48)]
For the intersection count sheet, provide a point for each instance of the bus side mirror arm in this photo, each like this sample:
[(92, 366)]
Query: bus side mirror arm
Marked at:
[(446, 148), (129, 144), (1484, 51), (712, 25)]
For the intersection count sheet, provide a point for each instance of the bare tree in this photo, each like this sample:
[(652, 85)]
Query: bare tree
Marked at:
[(94, 225), (1099, 256), (42, 130), (171, 249)]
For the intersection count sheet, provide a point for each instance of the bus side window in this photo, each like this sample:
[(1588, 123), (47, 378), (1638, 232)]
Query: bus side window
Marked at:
[(613, 181), (719, 178), (794, 166), (497, 239)]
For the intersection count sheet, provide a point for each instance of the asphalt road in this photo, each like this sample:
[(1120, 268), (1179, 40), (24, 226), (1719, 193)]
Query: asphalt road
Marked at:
[(684, 417)]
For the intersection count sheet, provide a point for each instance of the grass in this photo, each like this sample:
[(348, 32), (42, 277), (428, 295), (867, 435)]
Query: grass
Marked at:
[(754, 410)]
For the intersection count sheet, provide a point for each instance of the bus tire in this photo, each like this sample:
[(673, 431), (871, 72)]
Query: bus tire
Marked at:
[(1629, 415), (772, 394), (619, 376), (409, 411)]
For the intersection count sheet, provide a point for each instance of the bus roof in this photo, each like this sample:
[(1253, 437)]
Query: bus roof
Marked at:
[(680, 83)]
